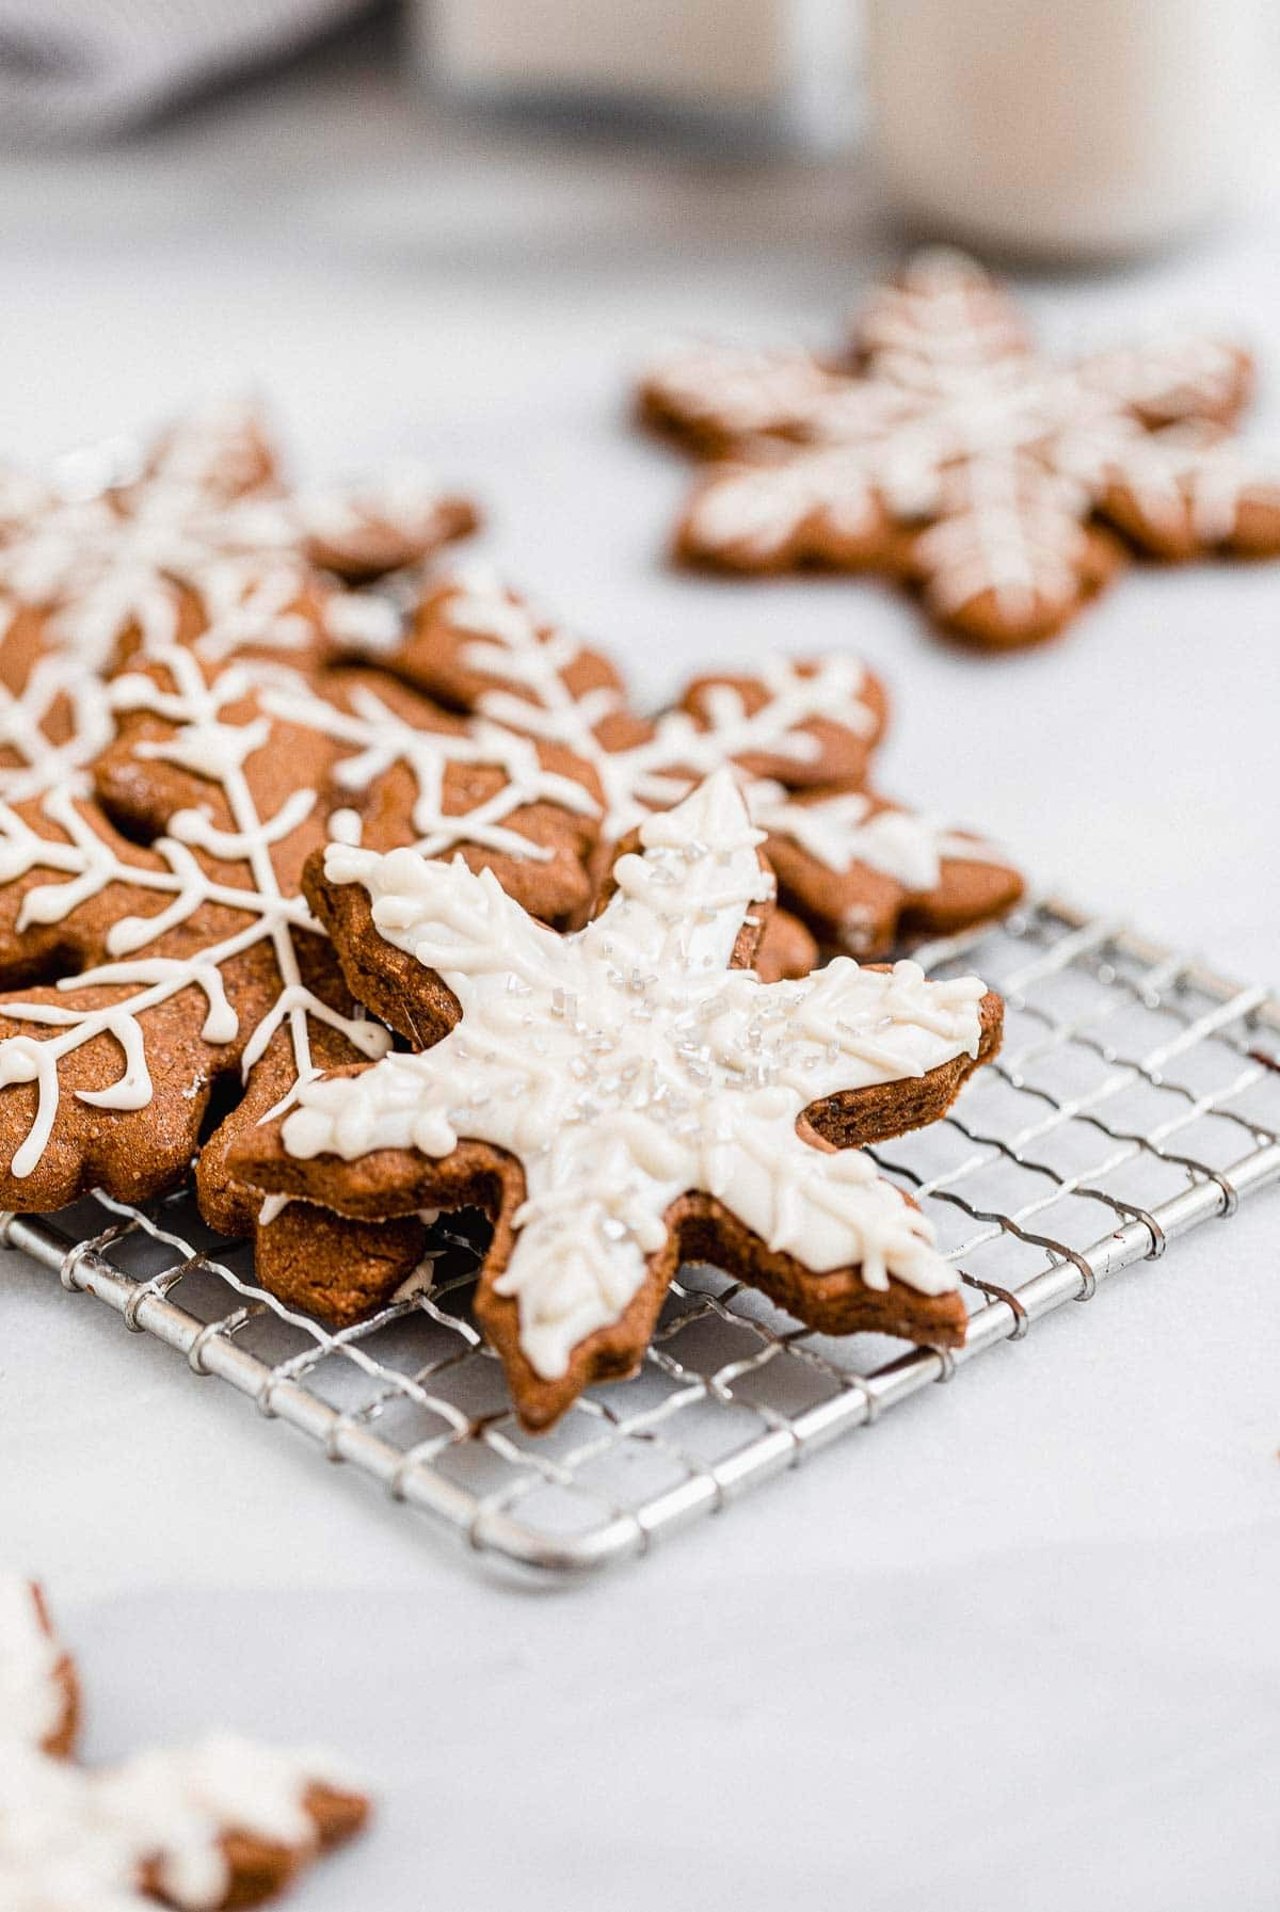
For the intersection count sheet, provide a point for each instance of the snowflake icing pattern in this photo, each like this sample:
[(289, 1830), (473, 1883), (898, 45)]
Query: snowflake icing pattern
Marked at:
[(628, 1066), (957, 457), (219, 885), (532, 676), (117, 544)]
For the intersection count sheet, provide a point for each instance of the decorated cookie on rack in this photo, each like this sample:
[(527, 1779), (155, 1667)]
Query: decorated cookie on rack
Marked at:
[(224, 1823), (800, 736), (155, 948), (628, 1096), (870, 876), (1003, 486)]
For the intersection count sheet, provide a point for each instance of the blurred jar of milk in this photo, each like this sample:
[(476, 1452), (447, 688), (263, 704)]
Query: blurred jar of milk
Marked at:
[(1076, 128)]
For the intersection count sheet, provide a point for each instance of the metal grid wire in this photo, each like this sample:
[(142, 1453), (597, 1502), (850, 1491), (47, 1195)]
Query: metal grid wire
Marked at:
[(1137, 1096)]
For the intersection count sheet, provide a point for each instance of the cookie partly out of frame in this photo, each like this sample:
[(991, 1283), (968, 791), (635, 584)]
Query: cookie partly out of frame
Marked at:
[(130, 547), (39, 1691), (223, 1824), (620, 1098)]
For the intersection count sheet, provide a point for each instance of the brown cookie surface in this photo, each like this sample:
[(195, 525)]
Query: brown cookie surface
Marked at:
[(872, 877), (793, 731), (618, 1098), (155, 946), (225, 1823), (1003, 486)]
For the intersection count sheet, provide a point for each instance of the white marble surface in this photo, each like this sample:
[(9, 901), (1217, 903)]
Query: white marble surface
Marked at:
[(1016, 1648)]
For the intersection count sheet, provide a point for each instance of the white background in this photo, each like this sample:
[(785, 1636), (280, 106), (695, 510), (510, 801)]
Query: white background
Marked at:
[(1016, 1648)]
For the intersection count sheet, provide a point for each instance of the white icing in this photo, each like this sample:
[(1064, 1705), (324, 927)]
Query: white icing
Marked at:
[(627, 1064), (205, 742), (115, 548), (760, 509), (378, 739), (25, 718), (72, 1840), (841, 831), (1178, 376), (1184, 474), (346, 826), (740, 391), (252, 605), (942, 316), (508, 642), (1006, 537), (366, 621), (955, 420), (32, 1703)]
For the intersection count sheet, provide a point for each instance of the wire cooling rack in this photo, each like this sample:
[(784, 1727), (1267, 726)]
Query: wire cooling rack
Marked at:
[(1137, 1096)]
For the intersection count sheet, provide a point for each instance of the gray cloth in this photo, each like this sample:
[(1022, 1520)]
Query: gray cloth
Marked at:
[(75, 68)]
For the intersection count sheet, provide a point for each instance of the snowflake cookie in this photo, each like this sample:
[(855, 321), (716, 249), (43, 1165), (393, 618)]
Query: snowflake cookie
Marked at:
[(1004, 487), (157, 958), (128, 550), (861, 875), (128, 547), (629, 1096), (221, 1824)]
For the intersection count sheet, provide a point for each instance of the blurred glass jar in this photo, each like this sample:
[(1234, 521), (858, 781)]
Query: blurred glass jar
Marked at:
[(1075, 128), (786, 69)]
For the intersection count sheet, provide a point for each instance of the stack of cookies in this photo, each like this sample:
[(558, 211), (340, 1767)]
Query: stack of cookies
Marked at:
[(358, 906)]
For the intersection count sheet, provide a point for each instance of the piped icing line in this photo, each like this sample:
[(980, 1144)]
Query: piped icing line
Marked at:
[(88, 1841), (626, 1065), (510, 642), (750, 393), (25, 724), (205, 743), (760, 508), (943, 316), (32, 1699), (844, 830), (955, 424), (379, 739)]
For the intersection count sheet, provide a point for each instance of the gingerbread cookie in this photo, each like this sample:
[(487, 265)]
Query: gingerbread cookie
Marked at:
[(224, 1824), (800, 736), (628, 1096), (1004, 487), (127, 549), (162, 978), (872, 876), (155, 948), (39, 1692)]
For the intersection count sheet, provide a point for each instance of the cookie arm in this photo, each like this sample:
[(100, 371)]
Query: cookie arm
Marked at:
[(37, 1677)]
